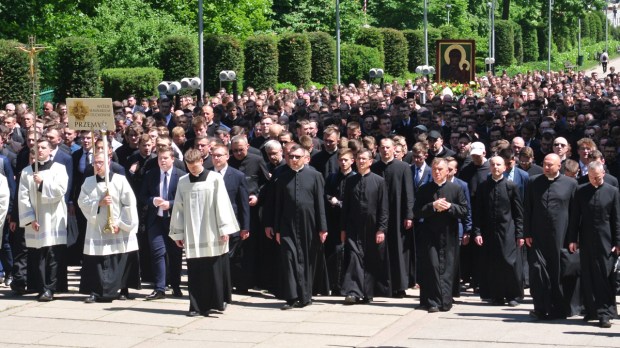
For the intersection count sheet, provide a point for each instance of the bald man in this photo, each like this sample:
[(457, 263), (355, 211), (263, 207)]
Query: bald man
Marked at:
[(547, 203)]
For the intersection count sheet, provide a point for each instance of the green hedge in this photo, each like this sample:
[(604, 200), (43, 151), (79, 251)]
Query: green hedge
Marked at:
[(295, 59), (77, 68), (371, 37), (323, 48), (118, 83), (595, 25), (449, 32), (178, 58), (222, 52), (396, 52), (415, 39), (504, 42), (530, 44), (261, 62), (518, 35), (14, 81), (356, 62)]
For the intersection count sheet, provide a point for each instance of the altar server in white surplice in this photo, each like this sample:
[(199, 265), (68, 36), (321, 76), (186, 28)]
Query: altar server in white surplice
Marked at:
[(43, 214), (110, 259), (202, 219)]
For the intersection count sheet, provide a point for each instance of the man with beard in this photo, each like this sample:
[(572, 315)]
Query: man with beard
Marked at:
[(547, 202), (399, 183), (364, 222), (440, 204), (299, 225), (595, 231), (498, 221)]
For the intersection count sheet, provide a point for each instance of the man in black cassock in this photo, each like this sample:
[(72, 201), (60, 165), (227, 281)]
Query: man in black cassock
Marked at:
[(364, 221), (595, 231), (399, 182), (547, 204), (439, 205), (299, 225), (498, 226)]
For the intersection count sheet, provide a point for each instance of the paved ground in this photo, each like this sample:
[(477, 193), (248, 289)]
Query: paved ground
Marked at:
[(257, 321)]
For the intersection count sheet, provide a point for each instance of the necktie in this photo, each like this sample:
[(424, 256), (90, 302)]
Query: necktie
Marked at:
[(164, 192), (89, 157), (417, 175)]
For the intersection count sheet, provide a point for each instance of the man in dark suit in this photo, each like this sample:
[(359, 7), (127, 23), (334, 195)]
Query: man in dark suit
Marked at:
[(157, 194), (421, 172), (241, 267), (81, 159), (54, 136)]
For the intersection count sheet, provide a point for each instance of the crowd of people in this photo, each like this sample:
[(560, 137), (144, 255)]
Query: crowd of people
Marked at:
[(359, 191)]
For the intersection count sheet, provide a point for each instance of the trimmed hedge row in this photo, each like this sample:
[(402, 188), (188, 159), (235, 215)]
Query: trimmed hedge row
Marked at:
[(178, 58), (14, 81), (295, 59), (356, 62), (323, 48), (371, 37), (221, 52), (261, 62), (118, 83), (396, 52), (504, 43), (78, 68)]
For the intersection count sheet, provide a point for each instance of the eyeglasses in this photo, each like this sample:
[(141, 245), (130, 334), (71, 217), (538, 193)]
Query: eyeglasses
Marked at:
[(237, 150), (559, 145), (295, 157)]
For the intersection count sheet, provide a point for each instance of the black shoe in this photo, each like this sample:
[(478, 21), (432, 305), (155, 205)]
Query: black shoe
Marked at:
[(513, 303), (156, 295), (538, 315), (8, 280), (176, 292), (604, 323), (91, 299), (433, 309), (46, 296), (399, 294), (18, 290), (223, 308), (197, 314), (350, 300), (365, 300), (298, 304), (288, 305), (497, 302)]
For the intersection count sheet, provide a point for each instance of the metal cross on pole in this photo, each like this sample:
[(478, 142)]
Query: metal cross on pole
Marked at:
[(33, 49)]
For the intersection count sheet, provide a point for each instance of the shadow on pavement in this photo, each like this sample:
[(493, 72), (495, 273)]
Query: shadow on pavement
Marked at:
[(604, 334)]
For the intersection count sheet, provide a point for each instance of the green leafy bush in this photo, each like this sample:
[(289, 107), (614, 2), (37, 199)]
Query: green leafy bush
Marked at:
[(118, 83), (396, 52), (261, 62), (295, 59), (371, 37), (530, 44), (357, 60), (77, 68), (518, 35), (14, 76), (504, 42), (415, 40), (323, 48), (222, 52), (178, 57)]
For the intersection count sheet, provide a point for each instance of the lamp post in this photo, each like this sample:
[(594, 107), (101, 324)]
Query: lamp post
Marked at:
[(448, 7), (338, 41), (606, 25), (549, 37), (201, 53), (425, 69), (490, 60)]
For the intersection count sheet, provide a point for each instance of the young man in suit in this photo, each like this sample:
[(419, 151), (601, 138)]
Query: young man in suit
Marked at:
[(157, 193)]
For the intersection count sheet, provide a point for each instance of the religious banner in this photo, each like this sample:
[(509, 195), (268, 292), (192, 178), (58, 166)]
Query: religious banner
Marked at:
[(90, 113), (456, 61)]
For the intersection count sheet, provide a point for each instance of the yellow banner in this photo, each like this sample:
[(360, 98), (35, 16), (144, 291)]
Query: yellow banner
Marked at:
[(90, 113)]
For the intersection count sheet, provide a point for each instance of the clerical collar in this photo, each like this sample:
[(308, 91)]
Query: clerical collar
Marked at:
[(297, 170), (102, 178), (388, 162), (555, 177), (366, 173), (43, 165), (440, 184), (497, 180), (200, 177)]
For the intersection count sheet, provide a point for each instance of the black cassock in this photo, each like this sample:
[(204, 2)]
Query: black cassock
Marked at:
[(364, 212), (438, 238), (547, 206), (399, 183), (498, 217), (595, 226), (299, 217)]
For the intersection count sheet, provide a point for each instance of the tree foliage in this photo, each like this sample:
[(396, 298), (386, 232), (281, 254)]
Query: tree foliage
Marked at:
[(396, 52), (222, 52), (178, 58), (77, 68), (295, 59), (118, 83), (323, 49), (14, 82), (261, 62), (357, 60)]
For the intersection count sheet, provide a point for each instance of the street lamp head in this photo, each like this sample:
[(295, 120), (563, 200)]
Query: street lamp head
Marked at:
[(448, 6)]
